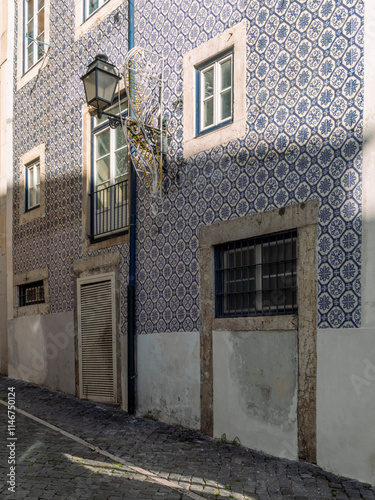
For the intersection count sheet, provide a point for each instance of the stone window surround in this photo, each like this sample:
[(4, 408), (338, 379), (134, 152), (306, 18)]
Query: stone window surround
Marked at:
[(89, 267), (37, 153), (234, 37), (30, 277), (24, 78), (87, 246), (82, 27), (302, 217)]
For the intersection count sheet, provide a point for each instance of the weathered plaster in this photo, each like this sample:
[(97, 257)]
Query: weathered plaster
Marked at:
[(303, 217), (255, 389), (168, 377), (346, 402), (41, 350)]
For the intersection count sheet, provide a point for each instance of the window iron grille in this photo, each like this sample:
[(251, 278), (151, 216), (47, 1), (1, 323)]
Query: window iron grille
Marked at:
[(257, 276), (31, 293), (109, 209)]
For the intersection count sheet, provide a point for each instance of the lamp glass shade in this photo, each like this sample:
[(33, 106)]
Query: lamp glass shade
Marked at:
[(100, 82)]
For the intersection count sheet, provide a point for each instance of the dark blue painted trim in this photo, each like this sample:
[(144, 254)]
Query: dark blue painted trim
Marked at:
[(132, 371), (198, 103), (92, 178), (215, 127), (26, 189)]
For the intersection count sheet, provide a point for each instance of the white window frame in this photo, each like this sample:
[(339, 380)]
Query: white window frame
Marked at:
[(84, 23), (88, 14), (233, 39), (36, 46), (99, 128), (30, 211), (218, 120), (24, 75), (33, 188)]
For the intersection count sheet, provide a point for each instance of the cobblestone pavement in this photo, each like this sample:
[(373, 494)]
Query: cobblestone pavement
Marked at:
[(84, 450)]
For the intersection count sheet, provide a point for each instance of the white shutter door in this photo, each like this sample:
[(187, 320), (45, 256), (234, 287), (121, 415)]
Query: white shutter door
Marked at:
[(97, 342)]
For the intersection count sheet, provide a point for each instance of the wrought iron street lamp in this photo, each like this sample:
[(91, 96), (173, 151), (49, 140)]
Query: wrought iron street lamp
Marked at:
[(100, 84)]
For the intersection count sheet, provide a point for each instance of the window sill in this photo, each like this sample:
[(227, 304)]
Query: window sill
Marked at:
[(81, 28), (256, 323)]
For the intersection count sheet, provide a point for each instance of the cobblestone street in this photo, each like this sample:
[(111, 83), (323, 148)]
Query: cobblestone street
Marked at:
[(68, 448)]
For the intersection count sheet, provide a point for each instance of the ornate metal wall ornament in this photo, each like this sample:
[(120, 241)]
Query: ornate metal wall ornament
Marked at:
[(143, 76)]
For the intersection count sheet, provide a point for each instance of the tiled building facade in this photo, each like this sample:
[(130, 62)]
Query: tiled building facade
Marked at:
[(299, 71)]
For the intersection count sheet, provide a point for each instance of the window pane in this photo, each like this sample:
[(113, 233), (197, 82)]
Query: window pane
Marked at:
[(93, 5), (37, 194), (121, 157), (31, 198), (208, 77), (120, 138), (37, 174), (226, 104), (30, 30), (226, 74), (30, 9), (40, 4), (103, 143), (41, 46), (40, 22), (102, 170), (208, 113)]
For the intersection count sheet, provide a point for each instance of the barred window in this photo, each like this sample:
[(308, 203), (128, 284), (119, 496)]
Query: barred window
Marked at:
[(257, 276), (31, 293)]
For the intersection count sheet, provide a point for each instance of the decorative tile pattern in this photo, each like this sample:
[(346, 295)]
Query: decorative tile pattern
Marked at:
[(304, 139)]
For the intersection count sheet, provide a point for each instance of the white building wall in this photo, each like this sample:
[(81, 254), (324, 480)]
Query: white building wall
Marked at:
[(168, 380), (346, 358)]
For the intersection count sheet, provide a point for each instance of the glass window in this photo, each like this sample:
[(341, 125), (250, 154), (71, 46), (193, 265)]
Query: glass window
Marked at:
[(110, 167), (92, 5), (34, 17), (257, 277), (33, 185), (31, 293), (215, 94)]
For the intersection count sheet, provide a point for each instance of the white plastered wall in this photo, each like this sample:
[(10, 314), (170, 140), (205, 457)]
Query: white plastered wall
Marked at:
[(6, 174), (41, 350), (168, 383), (346, 358)]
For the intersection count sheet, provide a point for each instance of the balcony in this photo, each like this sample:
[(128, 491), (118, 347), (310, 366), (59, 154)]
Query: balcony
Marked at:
[(109, 211)]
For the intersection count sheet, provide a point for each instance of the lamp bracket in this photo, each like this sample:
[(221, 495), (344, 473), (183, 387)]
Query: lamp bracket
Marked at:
[(114, 120)]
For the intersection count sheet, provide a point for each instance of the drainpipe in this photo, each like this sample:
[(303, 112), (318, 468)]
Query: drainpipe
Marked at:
[(131, 285)]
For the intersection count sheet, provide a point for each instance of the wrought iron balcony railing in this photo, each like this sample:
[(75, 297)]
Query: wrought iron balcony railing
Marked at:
[(109, 210)]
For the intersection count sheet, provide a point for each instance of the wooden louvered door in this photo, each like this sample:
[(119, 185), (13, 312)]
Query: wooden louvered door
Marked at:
[(97, 338)]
